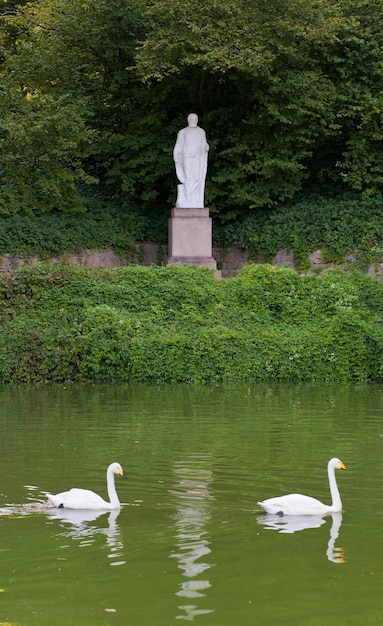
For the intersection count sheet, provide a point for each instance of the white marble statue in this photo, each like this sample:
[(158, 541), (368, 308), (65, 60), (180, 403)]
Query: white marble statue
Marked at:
[(190, 157)]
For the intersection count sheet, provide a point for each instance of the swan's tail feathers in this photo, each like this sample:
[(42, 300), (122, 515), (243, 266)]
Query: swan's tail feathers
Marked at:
[(55, 501)]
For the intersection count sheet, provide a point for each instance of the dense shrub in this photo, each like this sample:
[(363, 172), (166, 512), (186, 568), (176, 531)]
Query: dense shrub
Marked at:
[(338, 225), (105, 226), (181, 324)]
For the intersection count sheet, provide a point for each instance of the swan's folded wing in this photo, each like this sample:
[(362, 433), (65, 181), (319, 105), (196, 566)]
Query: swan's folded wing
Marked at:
[(293, 504), (78, 499)]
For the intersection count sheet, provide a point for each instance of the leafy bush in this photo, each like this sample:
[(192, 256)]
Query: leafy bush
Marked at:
[(155, 324), (53, 234), (338, 225)]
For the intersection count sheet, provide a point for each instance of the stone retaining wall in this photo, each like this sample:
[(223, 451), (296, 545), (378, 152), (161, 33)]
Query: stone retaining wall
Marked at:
[(229, 260)]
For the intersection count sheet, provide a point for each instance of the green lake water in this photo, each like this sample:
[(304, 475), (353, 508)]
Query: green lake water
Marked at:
[(190, 542)]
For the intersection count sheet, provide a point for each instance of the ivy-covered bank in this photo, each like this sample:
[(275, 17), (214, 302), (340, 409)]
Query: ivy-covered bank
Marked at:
[(157, 324), (341, 226)]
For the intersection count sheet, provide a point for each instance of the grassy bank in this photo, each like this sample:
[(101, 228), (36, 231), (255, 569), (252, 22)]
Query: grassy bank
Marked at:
[(157, 324)]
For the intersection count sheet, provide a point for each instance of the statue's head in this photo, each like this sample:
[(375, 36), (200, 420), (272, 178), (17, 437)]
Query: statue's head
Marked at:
[(193, 119)]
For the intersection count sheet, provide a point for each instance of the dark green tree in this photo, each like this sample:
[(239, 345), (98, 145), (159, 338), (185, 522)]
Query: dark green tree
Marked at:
[(290, 94), (65, 90), (354, 64)]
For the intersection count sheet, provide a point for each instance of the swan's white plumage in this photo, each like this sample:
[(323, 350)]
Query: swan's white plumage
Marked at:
[(298, 504), (87, 499)]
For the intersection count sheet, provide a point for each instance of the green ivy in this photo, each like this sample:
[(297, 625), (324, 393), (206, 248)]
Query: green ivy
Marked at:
[(157, 324), (338, 225)]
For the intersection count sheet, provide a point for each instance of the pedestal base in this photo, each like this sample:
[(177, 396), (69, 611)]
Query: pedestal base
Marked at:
[(190, 238), (192, 260)]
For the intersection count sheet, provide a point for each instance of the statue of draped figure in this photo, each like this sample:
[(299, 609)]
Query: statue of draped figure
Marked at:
[(190, 158)]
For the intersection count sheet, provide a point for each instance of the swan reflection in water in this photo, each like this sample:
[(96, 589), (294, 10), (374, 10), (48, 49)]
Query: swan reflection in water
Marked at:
[(76, 524), (192, 544), (294, 523)]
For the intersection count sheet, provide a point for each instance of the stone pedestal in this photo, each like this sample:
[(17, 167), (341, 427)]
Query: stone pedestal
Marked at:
[(190, 238)]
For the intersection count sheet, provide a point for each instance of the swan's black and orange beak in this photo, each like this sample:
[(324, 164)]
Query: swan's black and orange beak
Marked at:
[(342, 466), (121, 473)]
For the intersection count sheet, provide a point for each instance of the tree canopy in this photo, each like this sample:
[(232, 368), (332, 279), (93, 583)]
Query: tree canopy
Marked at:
[(92, 95)]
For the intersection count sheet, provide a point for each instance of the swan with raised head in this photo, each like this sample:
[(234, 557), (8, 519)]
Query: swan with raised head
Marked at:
[(87, 499), (298, 504)]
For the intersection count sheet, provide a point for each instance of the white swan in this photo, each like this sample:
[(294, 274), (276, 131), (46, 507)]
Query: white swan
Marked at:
[(297, 504), (87, 499)]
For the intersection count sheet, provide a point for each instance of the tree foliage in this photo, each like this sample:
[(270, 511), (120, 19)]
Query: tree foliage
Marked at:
[(290, 94), (61, 80)]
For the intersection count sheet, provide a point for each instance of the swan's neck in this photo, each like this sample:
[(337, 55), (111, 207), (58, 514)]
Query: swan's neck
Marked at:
[(336, 504), (112, 493)]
